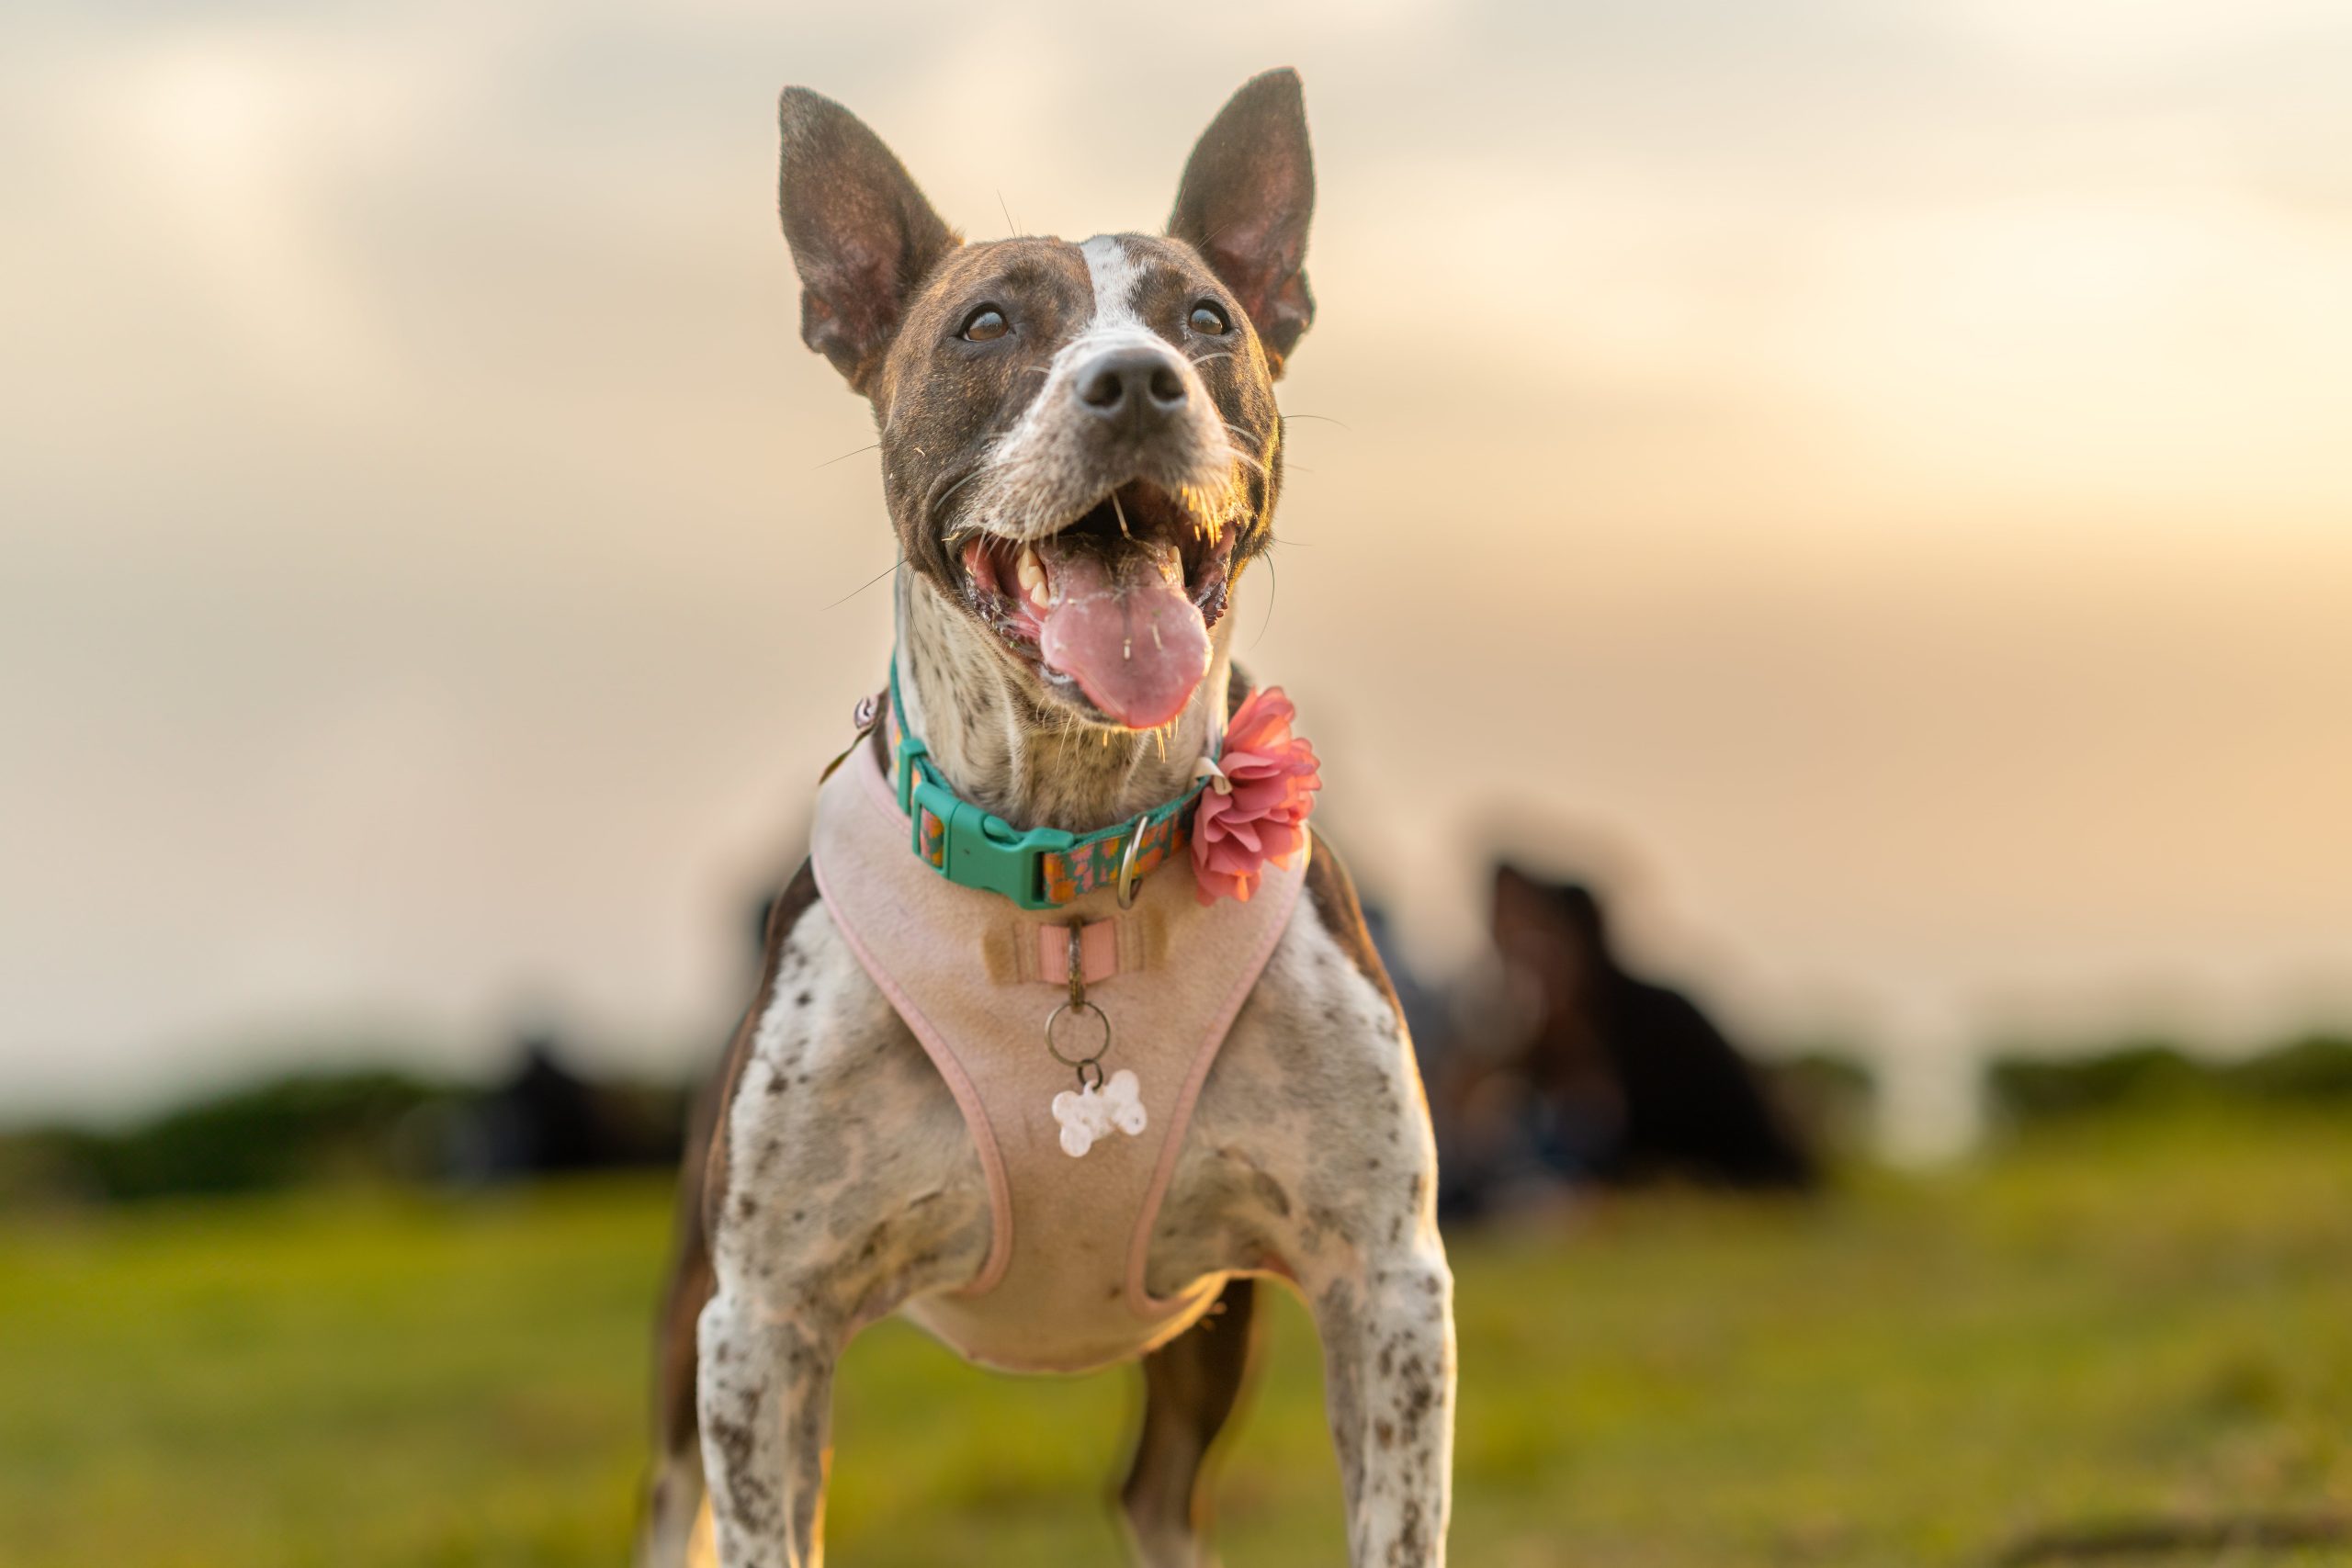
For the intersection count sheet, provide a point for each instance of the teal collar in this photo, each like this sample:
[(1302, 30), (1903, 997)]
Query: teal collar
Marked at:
[(1037, 868)]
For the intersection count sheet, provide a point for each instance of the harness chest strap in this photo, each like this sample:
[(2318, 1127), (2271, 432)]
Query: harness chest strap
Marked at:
[(974, 978)]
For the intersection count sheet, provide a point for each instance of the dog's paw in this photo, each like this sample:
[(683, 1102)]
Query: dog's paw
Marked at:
[(1089, 1113)]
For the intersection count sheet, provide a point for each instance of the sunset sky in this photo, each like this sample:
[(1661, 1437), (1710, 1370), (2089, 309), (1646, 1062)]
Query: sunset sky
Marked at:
[(1873, 480)]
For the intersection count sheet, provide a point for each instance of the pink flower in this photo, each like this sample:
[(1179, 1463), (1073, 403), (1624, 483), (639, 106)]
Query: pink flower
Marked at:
[(1256, 806)]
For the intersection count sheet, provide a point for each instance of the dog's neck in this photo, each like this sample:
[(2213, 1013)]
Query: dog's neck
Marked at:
[(1012, 752)]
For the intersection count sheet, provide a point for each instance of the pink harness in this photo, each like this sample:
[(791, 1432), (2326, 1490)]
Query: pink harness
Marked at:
[(976, 978)]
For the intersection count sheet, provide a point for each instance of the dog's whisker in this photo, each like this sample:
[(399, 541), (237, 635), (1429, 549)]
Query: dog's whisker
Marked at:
[(869, 447), (868, 583), (1271, 585), (1238, 456)]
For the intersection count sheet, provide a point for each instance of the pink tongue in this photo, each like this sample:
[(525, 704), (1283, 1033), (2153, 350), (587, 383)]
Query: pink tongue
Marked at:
[(1121, 628)]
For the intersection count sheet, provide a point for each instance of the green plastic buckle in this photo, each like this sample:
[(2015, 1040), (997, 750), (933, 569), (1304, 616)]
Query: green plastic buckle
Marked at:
[(978, 849)]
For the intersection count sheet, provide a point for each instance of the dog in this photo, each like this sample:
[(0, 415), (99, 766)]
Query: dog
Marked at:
[(1081, 454)]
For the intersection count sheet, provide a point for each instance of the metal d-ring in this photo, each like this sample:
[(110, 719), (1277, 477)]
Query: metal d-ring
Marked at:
[(1091, 1059), (1127, 865)]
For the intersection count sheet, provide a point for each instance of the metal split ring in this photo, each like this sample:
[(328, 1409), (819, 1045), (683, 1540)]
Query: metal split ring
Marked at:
[(1127, 865), (1093, 1057)]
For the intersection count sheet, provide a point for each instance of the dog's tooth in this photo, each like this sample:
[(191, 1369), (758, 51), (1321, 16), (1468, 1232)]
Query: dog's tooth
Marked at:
[(1031, 573)]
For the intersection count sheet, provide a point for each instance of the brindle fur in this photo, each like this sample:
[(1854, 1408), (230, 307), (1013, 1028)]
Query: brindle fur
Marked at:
[(841, 1181)]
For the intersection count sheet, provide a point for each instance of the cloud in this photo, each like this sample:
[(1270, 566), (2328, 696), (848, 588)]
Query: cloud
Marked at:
[(2125, 37), (1781, 433)]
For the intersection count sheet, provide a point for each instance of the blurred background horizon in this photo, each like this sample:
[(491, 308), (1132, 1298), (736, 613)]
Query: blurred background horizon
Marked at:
[(1868, 487)]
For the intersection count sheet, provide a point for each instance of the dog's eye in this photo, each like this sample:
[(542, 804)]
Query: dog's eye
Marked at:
[(1209, 321), (984, 325)]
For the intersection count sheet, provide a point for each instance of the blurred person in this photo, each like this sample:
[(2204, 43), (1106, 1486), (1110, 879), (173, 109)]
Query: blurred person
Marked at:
[(548, 1119), (1569, 1069)]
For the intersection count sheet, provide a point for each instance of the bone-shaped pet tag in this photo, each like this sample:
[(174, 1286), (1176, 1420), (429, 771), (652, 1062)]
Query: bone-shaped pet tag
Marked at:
[(1092, 1112)]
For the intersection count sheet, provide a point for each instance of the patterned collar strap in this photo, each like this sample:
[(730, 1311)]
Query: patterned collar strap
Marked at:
[(1037, 868)]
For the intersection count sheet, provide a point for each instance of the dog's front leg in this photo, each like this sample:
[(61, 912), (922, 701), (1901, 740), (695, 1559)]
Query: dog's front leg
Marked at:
[(765, 1393), (844, 1186), (1386, 1321), (791, 1293)]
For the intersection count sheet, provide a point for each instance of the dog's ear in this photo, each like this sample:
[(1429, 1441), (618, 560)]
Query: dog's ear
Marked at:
[(862, 235), (1247, 191)]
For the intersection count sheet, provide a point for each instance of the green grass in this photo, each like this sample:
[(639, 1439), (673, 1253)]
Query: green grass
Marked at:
[(2141, 1317)]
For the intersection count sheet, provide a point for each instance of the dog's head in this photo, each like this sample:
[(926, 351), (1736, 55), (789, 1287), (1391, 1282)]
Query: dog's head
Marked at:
[(1080, 444)]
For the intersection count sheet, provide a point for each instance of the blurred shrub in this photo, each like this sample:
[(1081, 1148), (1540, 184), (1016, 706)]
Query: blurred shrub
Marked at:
[(2318, 1067), (271, 1135), (374, 1127), (2025, 1090)]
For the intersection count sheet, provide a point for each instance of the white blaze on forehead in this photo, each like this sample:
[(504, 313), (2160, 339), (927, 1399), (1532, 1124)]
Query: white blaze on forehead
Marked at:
[(1047, 469), (1116, 278)]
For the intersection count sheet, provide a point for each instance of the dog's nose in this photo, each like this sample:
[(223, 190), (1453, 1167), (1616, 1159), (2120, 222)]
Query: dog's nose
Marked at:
[(1136, 387)]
